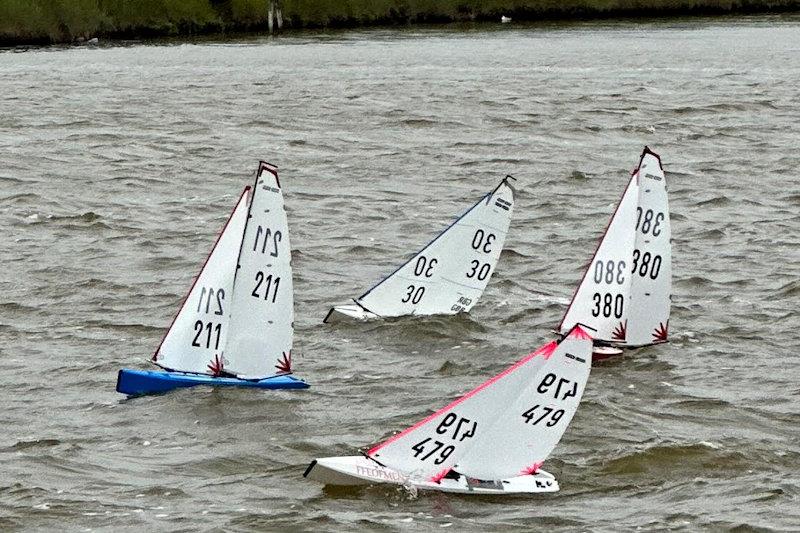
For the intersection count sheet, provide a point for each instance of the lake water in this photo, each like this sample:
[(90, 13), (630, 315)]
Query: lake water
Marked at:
[(119, 164)]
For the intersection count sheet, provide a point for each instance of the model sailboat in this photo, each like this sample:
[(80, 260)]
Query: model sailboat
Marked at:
[(235, 326), (449, 274), (625, 291), (492, 440)]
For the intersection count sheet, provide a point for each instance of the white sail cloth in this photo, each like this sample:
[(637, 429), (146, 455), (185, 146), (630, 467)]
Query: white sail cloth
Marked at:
[(505, 427), (238, 316), (625, 291), (452, 271)]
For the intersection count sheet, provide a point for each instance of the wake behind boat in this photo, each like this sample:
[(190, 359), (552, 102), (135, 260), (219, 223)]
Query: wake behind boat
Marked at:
[(625, 291), (492, 440), (235, 326), (449, 274)]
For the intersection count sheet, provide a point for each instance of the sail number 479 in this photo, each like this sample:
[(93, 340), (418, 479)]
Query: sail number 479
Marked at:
[(564, 388), (456, 427)]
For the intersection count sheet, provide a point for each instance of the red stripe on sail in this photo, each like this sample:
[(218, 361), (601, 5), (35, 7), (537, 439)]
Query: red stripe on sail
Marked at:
[(579, 333), (546, 351)]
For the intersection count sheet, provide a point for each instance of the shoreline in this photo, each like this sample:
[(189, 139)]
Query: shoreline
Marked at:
[(73, 25)]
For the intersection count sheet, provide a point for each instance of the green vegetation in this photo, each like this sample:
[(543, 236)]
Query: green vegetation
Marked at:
[(69, 20)]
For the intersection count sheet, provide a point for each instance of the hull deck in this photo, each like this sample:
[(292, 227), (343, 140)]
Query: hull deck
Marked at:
[(141, 382), (358, 470), (348, 313)]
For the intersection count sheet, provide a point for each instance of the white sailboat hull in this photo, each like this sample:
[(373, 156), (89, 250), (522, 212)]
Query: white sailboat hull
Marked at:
[(349, 313), (359, 470)]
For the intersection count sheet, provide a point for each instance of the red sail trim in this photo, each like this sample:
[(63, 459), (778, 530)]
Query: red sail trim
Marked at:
[(284, 365), (269, 167), (545, 351), (532, 469), (597, 249), (620, 332), (436, 478), (661, 333), (183, 302), (217, 366), (646, 151), (579, 333)]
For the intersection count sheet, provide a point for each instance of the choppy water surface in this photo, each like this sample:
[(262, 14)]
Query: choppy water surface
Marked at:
[(118, 166)]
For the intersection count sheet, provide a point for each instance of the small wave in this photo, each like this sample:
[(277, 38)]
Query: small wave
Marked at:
[(28, 444), (510, 253), (716, 201), (449, 368), (694, 282), (790, 289), (420, 122), (577, 175), (667, 461)]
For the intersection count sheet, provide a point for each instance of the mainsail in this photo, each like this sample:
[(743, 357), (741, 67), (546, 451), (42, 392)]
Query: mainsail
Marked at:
[(238, 317), (197, 335), (504, 426), (625, 291), (262, 310), (449, 274)]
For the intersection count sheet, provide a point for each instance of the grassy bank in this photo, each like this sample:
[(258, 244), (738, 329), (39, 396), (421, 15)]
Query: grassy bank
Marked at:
[(42, 21)]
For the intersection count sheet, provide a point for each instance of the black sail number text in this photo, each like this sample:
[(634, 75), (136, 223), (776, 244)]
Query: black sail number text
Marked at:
[(482, 241), (480, 271), (465, 428), (435, 449), (538, 413), (414, 294), (270, 286), (609, 272), (568, 387), (608, 304), (268, 239), (212, 331), (649, 266), (424, 266), (207, 295), (649, 221)]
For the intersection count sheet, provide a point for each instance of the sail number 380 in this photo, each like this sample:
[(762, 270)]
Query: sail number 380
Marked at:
[(608, 304)]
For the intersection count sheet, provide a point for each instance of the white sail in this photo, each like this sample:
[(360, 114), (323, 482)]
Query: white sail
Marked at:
[(262, 310), (429, 449), (449, 274), (624, 293), (652, 257), (197, 335), (525, 431)]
